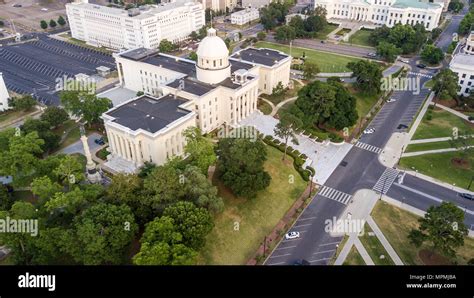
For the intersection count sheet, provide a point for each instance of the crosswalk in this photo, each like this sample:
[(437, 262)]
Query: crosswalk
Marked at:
[(368, 147), (386, 180), (335, 195), (419, 74)]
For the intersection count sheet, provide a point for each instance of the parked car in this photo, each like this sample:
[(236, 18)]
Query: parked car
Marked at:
[(17, 5), (292, 235), (402, 126), (322, 41), (301, 262), (467, 196), (99, 141), (372, 55), (369, 131), (421, 65), (391, 100), (405, 61)]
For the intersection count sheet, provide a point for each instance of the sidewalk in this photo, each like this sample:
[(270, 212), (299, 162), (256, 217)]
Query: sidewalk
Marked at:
[(452, 111), (395, 258), (417, 153), (436, 181)]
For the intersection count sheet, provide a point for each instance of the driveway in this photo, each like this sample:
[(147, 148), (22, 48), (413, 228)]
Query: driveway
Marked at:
[(77, 146), (323, 157)]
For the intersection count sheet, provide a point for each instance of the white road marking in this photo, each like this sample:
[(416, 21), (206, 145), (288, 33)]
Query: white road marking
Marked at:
[(321, 252), (279, 256), (286, 247), (318, 260), (332, 243)]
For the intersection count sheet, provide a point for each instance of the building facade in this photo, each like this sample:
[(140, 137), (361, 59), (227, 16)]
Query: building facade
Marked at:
[(139, 27), (255, 3), (215, 91), (4, 96), (463, 65), (244, 16), (384, 12)]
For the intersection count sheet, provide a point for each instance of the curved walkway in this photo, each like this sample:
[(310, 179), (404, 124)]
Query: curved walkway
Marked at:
[(280, 104)]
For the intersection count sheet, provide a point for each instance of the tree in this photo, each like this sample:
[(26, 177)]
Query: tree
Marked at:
[(100, 234), (163, 186), (55, 116), (23, 103), (193, 56), (43, 25), (166, 46), (6, 199), (315, 23), (193, 223), (20, 159), (274, 14), (445, 84), (285, 33), (369, 75), (240, 166), (467, 22), (435, 33), (432, 54), (406, 37), (199, 190), (344, 114), (70, 170), (87, 106), (298, 24), (2, 23), (200, 149), (193, 35), (52, 23), (161, 244), (388, 51), (455, 6), (61, 21), (261, 35), (285, 129), (44, 188), (43, 128), (278, 90), (310, 70), (443, 227)]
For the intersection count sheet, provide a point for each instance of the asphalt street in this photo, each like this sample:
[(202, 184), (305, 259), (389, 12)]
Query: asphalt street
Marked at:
[(362, 169)]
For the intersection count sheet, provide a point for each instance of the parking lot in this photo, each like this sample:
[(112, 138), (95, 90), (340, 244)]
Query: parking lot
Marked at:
[(33, 67)]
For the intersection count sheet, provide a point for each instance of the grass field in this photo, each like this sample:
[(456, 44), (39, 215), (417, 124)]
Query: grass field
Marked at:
[(441, 125), (255, 217), (11, 115), (364, 103), (361, 38), (324, 33), (396, 223), (327, 62), (441, 167), (264, 107), (354, 258), (374, 247), (431, 146), (276, 99)]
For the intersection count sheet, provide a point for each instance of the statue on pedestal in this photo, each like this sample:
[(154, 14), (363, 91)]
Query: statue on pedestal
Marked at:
[(91, 170)]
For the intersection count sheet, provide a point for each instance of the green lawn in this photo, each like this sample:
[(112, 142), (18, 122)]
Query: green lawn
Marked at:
[(343, 31), (285, 108), (441, 125), (361, 38), (324, 33), (256, 217), (374, 247), (396, 223), (431, 146), (264, 107), (441, 166), (429, 84), (276, 99), (365, 102), (327, 62), (10, 115), (354, 258)]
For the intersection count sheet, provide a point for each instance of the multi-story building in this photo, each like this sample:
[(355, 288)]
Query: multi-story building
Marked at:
[(463, 65), (146, 26), (255, 3), (215, 91), (4, 96), (244, 16), (384, 12)]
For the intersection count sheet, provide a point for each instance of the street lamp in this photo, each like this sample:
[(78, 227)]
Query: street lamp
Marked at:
[(470, 183)]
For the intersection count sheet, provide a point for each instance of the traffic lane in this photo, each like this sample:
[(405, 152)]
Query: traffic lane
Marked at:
[(422, 202), (438, 191), (312, 235)]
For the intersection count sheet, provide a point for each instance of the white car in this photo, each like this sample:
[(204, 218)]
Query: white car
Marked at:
[(369, 131), (44, 9), (391, 100), (292, 235), (405, 61)]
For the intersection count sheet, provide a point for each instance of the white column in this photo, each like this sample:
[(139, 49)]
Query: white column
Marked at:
[(121, 147)]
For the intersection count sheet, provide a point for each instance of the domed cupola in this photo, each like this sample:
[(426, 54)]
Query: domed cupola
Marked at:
[(212, 64)]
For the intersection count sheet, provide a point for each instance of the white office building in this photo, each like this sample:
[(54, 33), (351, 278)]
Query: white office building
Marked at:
[(244, 16), (4, 96), (384, 12), (463, 65), (214, 92), (255, 3), (146, 26)]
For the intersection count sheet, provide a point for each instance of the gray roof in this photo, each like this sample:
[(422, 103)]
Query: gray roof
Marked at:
[(262, 56), (192, 86), (149, 113)]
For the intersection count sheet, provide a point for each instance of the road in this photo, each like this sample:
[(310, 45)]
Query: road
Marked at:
[(447, 37), (361, 169)]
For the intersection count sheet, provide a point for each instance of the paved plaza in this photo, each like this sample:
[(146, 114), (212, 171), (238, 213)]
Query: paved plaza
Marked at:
[(323, 157)]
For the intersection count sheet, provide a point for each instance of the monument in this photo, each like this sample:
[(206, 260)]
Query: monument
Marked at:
[(91, 171)]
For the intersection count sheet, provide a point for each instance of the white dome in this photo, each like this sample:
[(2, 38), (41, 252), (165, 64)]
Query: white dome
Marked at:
[(212, 46)]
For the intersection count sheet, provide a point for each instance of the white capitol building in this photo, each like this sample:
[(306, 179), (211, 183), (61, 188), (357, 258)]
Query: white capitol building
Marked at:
[(214, 92), (385, 12)]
